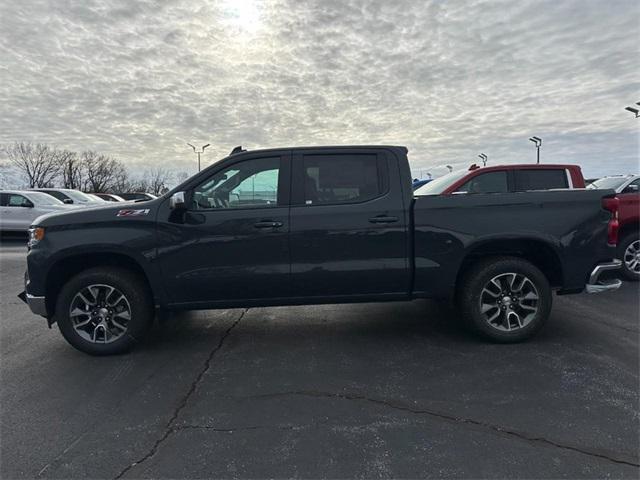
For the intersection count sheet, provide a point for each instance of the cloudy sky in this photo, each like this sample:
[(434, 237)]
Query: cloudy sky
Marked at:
[(450, 80)]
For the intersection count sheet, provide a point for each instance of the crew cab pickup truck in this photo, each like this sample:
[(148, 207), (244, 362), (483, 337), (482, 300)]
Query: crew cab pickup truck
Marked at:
[(317, 225), (506, 178)]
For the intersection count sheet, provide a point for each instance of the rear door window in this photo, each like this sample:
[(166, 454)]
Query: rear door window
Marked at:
[(540, 179), (490, 182), (335, 179)]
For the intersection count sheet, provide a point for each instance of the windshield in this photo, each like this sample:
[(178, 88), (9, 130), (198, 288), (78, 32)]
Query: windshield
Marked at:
[(40, 198), (608, 182), (77, 196), (440, 184)]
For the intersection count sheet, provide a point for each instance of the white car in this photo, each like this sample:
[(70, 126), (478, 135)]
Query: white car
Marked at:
[(19, 208), (620, 183), (70, 196)]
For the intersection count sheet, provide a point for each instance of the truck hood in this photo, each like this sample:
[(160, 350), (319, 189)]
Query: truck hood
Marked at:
[(99, 214)]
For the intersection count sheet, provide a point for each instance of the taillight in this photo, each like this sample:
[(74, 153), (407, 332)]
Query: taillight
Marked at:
[(612, 204)]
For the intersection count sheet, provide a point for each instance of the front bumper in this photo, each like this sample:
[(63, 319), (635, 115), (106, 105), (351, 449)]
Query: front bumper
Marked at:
[(37, 305), (596, 285)]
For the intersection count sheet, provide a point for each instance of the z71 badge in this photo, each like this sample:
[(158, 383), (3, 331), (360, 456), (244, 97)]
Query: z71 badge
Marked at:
[(133, 213)]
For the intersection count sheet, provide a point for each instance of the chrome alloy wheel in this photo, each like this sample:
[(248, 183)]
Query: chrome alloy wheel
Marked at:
[(632, 257), (509, 301), (100, 313)]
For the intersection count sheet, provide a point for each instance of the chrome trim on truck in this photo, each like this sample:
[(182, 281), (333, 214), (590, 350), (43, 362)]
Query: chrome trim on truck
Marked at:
[(596, 285)]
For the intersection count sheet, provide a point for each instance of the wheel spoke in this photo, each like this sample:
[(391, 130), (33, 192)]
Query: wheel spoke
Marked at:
[(82, 324), (125, 314), (489, 292), (86, 301), (494, 316), (486, 307), (120, 326), (118, 300)]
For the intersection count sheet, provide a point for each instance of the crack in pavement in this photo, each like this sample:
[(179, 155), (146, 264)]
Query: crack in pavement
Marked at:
[(459, 420), (170, 428)]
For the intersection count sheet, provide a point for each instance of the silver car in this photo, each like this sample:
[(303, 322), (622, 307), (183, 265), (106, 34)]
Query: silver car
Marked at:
[(19, 208)]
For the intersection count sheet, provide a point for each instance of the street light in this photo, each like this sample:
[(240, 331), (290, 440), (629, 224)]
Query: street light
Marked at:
[(538, 142), (199, 152), (450, 168), (634, 110), (483, 157)]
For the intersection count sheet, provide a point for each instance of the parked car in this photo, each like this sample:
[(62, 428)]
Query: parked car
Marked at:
[(96, 197), (317, 225), (417, 183), (18, 209), (505, 179), (138, 196), (627, 187), (70, 196), (110, 197)]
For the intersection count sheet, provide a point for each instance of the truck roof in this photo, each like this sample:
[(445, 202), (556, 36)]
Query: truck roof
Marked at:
[(401, 148)]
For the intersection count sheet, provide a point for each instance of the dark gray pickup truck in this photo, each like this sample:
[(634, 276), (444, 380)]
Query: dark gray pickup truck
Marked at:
[(316, 225)]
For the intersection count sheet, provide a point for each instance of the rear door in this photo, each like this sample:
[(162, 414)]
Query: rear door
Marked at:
[(348, 232)]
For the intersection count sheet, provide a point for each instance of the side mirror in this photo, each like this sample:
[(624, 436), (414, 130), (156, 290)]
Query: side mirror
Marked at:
[(631, 189), (68, 201), (176, 202), (27, 204)]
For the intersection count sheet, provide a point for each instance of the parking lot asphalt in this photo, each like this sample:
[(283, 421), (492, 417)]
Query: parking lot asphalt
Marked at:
[(369, 391)]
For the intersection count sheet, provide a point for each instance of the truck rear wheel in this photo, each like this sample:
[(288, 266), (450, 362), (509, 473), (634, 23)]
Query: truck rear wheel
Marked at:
[(629, 253), (104, 311), (505, 299)]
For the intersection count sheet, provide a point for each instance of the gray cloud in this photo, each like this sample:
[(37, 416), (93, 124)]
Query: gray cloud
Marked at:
[(448, 79)]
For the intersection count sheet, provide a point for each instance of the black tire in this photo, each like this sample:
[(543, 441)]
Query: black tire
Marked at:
[(507, 327), (626, 243), (138, 301)]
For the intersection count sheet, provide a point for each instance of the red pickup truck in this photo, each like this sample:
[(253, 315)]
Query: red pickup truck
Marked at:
[(627, 187), (505, 179)]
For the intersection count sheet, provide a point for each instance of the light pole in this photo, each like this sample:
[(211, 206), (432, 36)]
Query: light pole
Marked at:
[(538, 142), (633, 110), (199, 152), (483, 157), (450, 168)]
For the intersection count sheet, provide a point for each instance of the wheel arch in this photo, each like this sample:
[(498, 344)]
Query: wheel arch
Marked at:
[(65, 268), (629, 228), (539, 252)]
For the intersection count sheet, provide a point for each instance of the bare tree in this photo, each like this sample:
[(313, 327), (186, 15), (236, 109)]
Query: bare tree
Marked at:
[(71, 169), (100, 171), (122, 182), (182, 176), (37, 162), (157, 180)]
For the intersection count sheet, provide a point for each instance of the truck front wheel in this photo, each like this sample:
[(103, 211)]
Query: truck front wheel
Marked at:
[(104, 310), (505, 299)]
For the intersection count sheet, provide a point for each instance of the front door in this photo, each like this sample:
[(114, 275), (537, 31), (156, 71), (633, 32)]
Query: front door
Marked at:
[(348, 227), (231, 244), (17, 212)]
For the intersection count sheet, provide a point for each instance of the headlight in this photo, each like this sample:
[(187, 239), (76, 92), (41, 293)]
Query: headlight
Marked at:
[(35, 235)]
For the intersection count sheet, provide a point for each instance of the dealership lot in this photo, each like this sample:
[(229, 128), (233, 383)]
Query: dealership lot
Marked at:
[(371, 390)]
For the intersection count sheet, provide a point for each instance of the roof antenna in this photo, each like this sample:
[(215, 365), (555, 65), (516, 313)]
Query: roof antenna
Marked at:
[(238, 149)]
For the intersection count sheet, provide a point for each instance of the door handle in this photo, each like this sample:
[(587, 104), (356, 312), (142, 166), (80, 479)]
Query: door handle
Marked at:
[(383, 219), (267, 224)]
